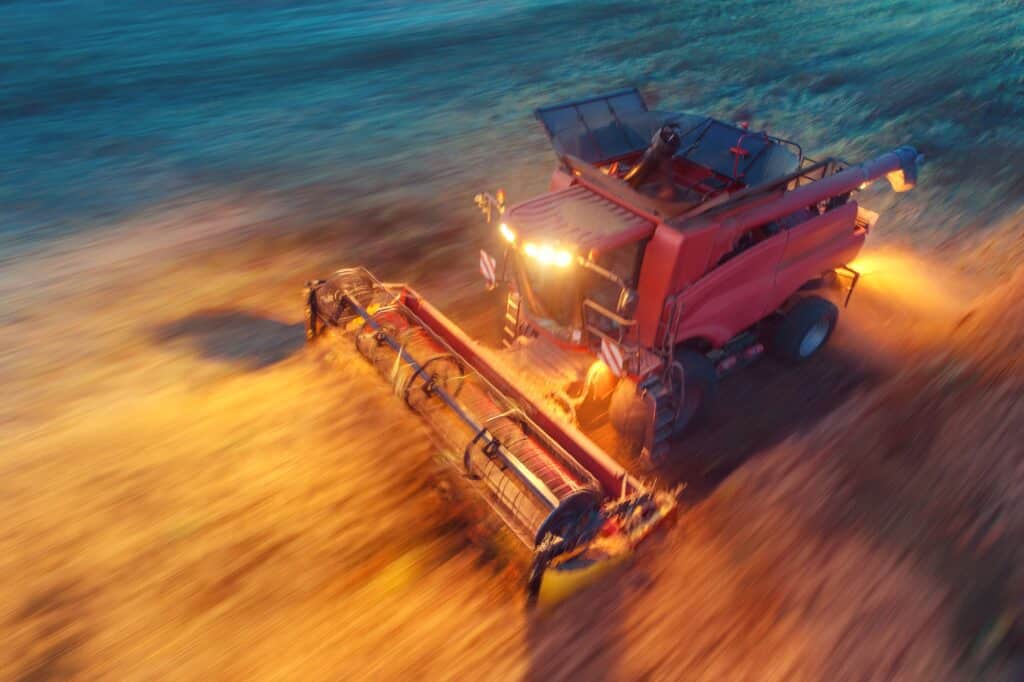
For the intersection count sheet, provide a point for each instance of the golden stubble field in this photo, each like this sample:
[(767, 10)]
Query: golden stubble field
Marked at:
[(189, 491)]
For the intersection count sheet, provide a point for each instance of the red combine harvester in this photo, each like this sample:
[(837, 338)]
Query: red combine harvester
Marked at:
[(670, 250)]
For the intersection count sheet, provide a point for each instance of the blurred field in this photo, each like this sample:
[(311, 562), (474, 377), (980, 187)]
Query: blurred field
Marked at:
[(189, 491), (108, 109)]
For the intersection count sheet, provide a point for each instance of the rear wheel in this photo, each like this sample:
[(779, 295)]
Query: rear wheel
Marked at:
[(699, 388), (804, 329)]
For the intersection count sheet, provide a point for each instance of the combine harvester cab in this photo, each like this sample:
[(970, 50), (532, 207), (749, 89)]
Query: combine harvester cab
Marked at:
[(672, 249), (669, 247)]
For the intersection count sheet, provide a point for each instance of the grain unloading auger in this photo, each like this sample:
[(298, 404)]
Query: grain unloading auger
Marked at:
[(578, 510)]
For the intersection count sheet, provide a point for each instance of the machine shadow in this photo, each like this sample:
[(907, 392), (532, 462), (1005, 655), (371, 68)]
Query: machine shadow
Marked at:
[(235, 336), (758, 408)]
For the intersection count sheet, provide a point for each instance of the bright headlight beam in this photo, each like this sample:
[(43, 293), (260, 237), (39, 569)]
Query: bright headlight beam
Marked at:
[(507, 233), (547, 254)]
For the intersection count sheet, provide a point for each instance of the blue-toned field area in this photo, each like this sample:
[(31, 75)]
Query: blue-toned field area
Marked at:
[(107, 109), (189, 491)]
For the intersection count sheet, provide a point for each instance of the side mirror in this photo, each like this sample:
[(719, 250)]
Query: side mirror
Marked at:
[(487, 203), (626, 306)]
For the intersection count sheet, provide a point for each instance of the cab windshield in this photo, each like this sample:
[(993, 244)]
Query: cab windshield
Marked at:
[(551, 293), (554, 295)]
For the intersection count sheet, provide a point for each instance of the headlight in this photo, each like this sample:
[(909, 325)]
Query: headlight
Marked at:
[(507, 233), (548, 255)]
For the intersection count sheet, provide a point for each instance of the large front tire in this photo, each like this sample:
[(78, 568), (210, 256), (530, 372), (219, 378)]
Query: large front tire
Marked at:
[(628, 412), (804, 329), (699, 389)]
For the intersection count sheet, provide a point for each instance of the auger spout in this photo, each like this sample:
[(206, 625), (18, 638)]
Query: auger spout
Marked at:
[(899, 167)]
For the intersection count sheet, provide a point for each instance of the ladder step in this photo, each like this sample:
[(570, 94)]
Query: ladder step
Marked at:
[(511, 326)]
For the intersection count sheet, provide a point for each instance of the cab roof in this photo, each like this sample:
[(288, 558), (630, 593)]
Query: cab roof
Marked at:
[(579, 217)]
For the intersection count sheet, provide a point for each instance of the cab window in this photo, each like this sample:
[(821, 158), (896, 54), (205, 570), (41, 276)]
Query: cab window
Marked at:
[(623, 262)]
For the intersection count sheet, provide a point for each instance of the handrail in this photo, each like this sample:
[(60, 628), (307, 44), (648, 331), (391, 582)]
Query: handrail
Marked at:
[(671, 312), (769, 186), (621, 323), (603, 272), (614, 317)]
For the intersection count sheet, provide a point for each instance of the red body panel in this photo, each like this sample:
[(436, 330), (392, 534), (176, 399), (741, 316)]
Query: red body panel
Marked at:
[(817, 245), (560, 180), (739, 292), (657, 275), (695, 261), (733, 296)]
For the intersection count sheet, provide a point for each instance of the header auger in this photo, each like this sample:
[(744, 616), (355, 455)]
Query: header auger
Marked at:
[(670, 250), (555, 490)]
